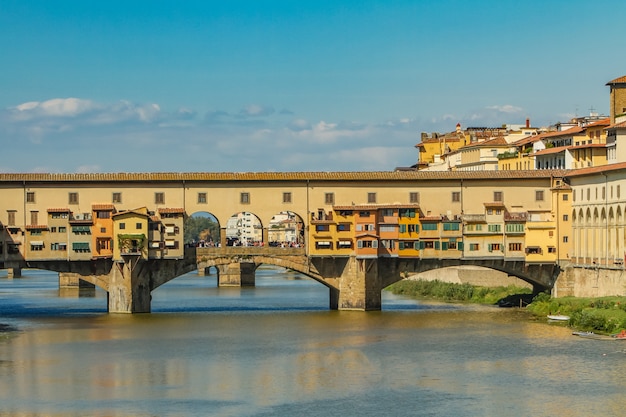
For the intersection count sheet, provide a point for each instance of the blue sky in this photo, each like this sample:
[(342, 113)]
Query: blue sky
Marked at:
[(151, 86)]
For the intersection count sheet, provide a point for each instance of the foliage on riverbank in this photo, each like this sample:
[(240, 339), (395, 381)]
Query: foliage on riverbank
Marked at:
[(604, 315), (446, 291)]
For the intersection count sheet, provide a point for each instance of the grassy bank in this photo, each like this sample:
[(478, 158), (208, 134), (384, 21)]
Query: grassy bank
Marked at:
[(445, 291), (602, 315)]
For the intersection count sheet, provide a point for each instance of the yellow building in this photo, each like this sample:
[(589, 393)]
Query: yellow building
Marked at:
[(130, 233)]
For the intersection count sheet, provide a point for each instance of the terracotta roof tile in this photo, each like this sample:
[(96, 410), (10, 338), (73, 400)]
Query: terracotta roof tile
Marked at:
[(179, 177), (36, 226), (103, 207), (550, 151), (617, 126), (603, 122), (171, 210), (596, 170), (375, 206), (494, 204), (620, 80)]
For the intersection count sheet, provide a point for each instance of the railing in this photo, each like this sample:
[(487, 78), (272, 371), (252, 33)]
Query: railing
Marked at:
[(249, 250)]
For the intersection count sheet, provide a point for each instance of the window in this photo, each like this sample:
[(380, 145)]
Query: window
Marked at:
[(367, 244), (603, 193), (371, 198), (565, 197), (62, 229), (103, 230), (494, 227), (117, 198), (428, 244), (514, 227), (450, 226), (474, 247), (414, 197), (515, 247), (34, 217), (73, 198), (122, 226), (497, 196), (456, 196), (30, 197), (343, 227), (386, 212), (430, 226), (565, 217), (159, 198), (618, 191), (201, 198), (494, 247), (53, 229), (329, 198), (539, 195), (565, 239), (322, 228), (323, 245), (11, 218), (103, 214), (138, 226), (286, 197), (551, 249), (244, 198)]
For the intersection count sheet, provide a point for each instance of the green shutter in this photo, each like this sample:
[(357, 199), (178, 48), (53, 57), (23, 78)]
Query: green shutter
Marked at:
[(403, 228), (459, 245), (400, 245), (437, 245), (422, 244), (444, 245)]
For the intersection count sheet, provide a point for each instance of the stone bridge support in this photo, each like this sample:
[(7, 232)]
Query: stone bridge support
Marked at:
[(237, 274), (360, 286), (129, 288)]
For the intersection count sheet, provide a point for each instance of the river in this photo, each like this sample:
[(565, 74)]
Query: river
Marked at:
[(277, 350)]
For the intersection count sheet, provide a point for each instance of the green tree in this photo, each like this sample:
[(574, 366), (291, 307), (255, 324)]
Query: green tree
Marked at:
[(201, 228)]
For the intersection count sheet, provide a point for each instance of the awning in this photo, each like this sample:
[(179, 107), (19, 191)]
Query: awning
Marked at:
[(80, 246), (36, 242), (80, 229), (323, 243), (170, 243)]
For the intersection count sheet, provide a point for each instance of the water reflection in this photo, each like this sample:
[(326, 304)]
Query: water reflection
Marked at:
[(277, 350)]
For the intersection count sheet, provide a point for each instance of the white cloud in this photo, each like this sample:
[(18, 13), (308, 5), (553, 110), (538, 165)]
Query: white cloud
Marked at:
[(256, 110), (507, 108)]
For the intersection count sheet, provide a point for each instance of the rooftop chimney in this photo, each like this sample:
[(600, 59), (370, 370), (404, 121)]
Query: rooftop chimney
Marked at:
[(527, 123)]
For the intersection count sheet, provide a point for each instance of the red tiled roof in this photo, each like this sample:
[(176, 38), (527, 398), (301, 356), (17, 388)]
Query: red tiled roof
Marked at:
[(343, 176), (549, 151), (590, 145), (103, 207), (603, 122), (617, 126), (620, 80), (596, 170), (171, 210), (36, 226), (375, 206)]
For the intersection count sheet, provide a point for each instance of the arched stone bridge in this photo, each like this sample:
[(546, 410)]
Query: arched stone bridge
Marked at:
[(353, 283)]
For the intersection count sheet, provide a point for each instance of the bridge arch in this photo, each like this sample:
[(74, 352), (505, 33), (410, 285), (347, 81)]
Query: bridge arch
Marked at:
[(202, 228), (286, 229)]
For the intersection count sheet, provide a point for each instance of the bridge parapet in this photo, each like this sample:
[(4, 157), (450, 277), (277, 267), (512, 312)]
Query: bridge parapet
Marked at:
[(248, 250)]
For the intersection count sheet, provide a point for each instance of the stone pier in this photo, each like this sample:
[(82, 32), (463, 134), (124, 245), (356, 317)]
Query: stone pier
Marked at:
[(14, 273), (360, 286), (237, 274)]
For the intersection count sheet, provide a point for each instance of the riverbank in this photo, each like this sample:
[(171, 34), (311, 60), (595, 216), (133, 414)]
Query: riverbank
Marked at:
[(602, 315), (605, 315), (461, 293)]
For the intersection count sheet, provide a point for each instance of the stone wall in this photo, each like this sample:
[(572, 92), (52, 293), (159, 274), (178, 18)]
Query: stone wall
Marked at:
[(474, 275), (590, 282)]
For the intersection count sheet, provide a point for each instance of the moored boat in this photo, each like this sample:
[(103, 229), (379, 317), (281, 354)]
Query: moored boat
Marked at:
[(558, 317)]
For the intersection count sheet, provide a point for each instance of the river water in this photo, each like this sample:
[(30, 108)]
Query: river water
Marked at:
[(276, 350)]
